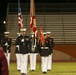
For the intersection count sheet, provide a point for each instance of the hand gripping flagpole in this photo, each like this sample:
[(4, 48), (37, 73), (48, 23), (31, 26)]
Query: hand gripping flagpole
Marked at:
[(33, 42)]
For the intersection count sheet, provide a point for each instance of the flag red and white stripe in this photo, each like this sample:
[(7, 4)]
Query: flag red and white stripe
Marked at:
[(20, 19)]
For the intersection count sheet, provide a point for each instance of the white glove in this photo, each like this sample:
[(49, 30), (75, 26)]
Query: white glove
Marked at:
[(22, 40), (32, 36), (34, 46), (17, 47), (6, 44)]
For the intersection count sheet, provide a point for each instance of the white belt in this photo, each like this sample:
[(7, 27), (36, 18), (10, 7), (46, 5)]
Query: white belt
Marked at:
[(44, 47)]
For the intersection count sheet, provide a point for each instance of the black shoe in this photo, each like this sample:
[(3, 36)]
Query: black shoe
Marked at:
[(32, 70), (48, 70), (23, 74), (44, 72), (18, 70)]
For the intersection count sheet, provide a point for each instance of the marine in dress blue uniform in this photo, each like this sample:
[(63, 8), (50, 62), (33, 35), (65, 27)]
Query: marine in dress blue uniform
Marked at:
[(33, 52), (44, 53), (6, 44), (49, 65), (23, 42)]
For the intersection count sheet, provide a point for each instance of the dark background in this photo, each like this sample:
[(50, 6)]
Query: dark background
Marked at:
[(3, 7)]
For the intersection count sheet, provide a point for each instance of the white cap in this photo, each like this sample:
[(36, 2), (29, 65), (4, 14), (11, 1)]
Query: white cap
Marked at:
[(44, 33), (48, 32), (6, 32), (23, 29)]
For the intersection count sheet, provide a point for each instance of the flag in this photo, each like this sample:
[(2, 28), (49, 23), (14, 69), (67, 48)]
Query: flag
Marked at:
[(42, 38), (20, 19), (33, 26)]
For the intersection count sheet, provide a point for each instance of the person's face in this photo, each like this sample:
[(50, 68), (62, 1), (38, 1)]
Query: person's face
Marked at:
[(6, 35), (48, 35), (23, 33)]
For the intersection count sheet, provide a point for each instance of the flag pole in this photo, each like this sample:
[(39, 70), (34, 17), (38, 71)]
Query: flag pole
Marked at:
[(33, 26)]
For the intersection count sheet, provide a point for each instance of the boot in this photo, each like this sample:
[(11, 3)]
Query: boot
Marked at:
[(23, 74)]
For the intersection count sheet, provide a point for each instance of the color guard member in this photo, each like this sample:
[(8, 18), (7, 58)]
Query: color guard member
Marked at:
[(33, 52), (44, 53), (6, 44), (23, 43), (49, 65)]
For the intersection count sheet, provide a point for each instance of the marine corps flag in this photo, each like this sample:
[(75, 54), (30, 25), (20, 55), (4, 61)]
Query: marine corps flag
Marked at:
[(42, 38), (20, 19), (33, 26)]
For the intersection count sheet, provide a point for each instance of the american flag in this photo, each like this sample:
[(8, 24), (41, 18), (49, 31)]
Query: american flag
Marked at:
[(20, 19), (33, 26)]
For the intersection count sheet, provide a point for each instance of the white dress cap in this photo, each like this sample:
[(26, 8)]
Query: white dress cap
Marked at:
[(23, 29), (48, 32), (44, 33), (6, 32)]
